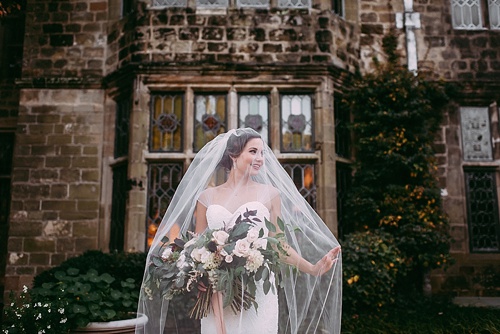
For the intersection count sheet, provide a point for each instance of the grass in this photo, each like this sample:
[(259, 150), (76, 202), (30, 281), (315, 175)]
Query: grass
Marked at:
[(425, 316)]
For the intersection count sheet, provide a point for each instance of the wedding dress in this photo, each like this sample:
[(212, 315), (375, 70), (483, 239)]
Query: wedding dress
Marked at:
[(264, 320)]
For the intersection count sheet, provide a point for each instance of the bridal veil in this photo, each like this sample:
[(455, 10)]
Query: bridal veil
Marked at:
[(308, 304)]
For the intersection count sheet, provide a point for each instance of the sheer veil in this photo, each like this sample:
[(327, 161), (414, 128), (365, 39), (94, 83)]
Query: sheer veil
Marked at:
[(307, 303)]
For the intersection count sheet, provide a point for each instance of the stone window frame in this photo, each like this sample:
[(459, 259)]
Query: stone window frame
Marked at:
[(302, 4), (487, 14), (273, 91)]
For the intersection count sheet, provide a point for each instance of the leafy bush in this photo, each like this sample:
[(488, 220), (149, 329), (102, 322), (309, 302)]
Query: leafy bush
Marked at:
[(371, 264), (395, 186), (94, 286)]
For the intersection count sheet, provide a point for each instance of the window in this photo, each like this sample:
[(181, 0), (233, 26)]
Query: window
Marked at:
[(303, 175), (253, 3), (212, 3), (469, 15), (253, 113), (297, 123), (11, 47), (476, 136), (294, 3), (166, 123), (119, 195), (482, 210), (338, 7), (163, 180), (168, 3), (210, 118)]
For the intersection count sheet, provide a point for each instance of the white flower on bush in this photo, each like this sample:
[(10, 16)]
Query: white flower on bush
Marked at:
[(166, 253), (220, 237), (253, 234), (241, 248), (254, 260)]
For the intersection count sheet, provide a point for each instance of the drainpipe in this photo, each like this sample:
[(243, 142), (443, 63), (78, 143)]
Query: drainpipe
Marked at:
[(409, 20)]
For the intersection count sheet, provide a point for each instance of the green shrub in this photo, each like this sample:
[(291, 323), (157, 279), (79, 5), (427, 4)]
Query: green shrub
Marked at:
[(371, 264)]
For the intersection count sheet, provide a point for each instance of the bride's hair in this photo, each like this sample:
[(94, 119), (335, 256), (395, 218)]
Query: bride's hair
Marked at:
[(235, 145)]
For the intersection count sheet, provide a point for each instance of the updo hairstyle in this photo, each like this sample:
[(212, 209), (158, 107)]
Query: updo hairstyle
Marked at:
[(235, 145)]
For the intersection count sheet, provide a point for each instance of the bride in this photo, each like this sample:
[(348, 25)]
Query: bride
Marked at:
[(234, 174)]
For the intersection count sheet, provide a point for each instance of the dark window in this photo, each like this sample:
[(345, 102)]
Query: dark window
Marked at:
[(338, 7), (122, 125), (118, 207), (344, 181), (482, 210), (11, 47), (342, 131)]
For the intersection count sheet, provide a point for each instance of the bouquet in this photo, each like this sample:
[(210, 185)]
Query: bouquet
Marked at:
[(227, 260)]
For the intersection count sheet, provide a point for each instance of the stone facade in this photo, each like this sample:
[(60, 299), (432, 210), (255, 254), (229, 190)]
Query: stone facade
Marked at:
[(82, 57)]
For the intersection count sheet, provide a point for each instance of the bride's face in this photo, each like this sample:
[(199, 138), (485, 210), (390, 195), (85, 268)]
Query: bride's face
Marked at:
[(251, 159)]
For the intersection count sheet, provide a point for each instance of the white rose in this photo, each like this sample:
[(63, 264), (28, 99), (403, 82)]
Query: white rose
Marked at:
[(205, 255), (181, 262), (220, 237), (253, 234), (166, 253), (228, 258), (241, 248), (259, 243), (196, 254)]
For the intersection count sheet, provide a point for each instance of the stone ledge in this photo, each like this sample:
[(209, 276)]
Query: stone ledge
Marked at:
[(54, 82)]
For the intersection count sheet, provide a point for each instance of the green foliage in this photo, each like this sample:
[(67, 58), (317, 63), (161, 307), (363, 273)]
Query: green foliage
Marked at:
[(424, 315), (371, 264), (94, 286), (395, 189), (89, 296)]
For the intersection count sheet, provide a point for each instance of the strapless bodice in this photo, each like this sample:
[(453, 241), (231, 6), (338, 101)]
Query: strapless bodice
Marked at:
[(219, 217)]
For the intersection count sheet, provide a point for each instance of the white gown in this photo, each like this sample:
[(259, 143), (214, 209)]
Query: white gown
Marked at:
[(265, 319)]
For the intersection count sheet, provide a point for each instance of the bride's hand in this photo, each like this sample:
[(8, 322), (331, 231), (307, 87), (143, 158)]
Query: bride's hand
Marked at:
[(327, 262)]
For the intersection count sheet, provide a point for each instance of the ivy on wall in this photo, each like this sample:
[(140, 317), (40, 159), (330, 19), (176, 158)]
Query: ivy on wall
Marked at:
[(395, 187)]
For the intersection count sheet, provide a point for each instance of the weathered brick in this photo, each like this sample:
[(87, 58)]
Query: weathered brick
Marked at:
[(84, 244), (98, 6), (58, 161), (85, 229), (28, 162), (39, 259), (65, 245), (83, 191), (58, 191), (90, 175), (52, 28), (77, 215), (83, 205), (39, 244)]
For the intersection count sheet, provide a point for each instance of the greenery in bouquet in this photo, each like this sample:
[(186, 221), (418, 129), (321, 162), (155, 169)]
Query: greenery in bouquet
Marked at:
[(229, 260)]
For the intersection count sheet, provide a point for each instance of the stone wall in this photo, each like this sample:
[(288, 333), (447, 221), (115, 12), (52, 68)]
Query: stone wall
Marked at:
[(56, 180)]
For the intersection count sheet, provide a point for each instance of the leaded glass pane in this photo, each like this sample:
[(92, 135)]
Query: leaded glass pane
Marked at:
[(163, 180), (254, 113), (494, 10), (338, 7), (253, 3), (476, 136), (297, 133), (212, 3), (166, 123), (122, 124), (482, 211), (118, 208), (169, 3), (294, 3), (304, 179), (466, 14), (210, 118)]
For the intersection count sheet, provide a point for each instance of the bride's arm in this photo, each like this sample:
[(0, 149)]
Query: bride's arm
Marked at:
[(201, 218), (294, 258)]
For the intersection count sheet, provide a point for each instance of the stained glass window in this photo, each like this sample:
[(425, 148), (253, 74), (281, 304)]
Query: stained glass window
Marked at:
[(304, 179), (494, 10), (163, 180), (212, 3), (253, 113), (253, 3), (210, 118), (166, 123), (169, 3), (482, 210), (294, 3), (297, 133), (466, 14)]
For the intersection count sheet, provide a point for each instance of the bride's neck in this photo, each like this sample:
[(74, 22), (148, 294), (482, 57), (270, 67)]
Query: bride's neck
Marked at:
[(236, 180)]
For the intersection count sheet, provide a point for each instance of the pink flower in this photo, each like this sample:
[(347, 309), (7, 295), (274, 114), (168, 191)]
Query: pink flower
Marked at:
[(241, 248)]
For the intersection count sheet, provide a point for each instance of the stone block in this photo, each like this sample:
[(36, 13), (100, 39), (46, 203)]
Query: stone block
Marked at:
[(39, 259), (83, 205), (15, 244), (57, 228), (58, 162), (39, 244), (91, 175), (61, 40), (213, 34), (52, 28), (65, 245), (98, 6), (58, 190), (75, 215), (84, 244), (57, 259), (83, 191), (85, 229)]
